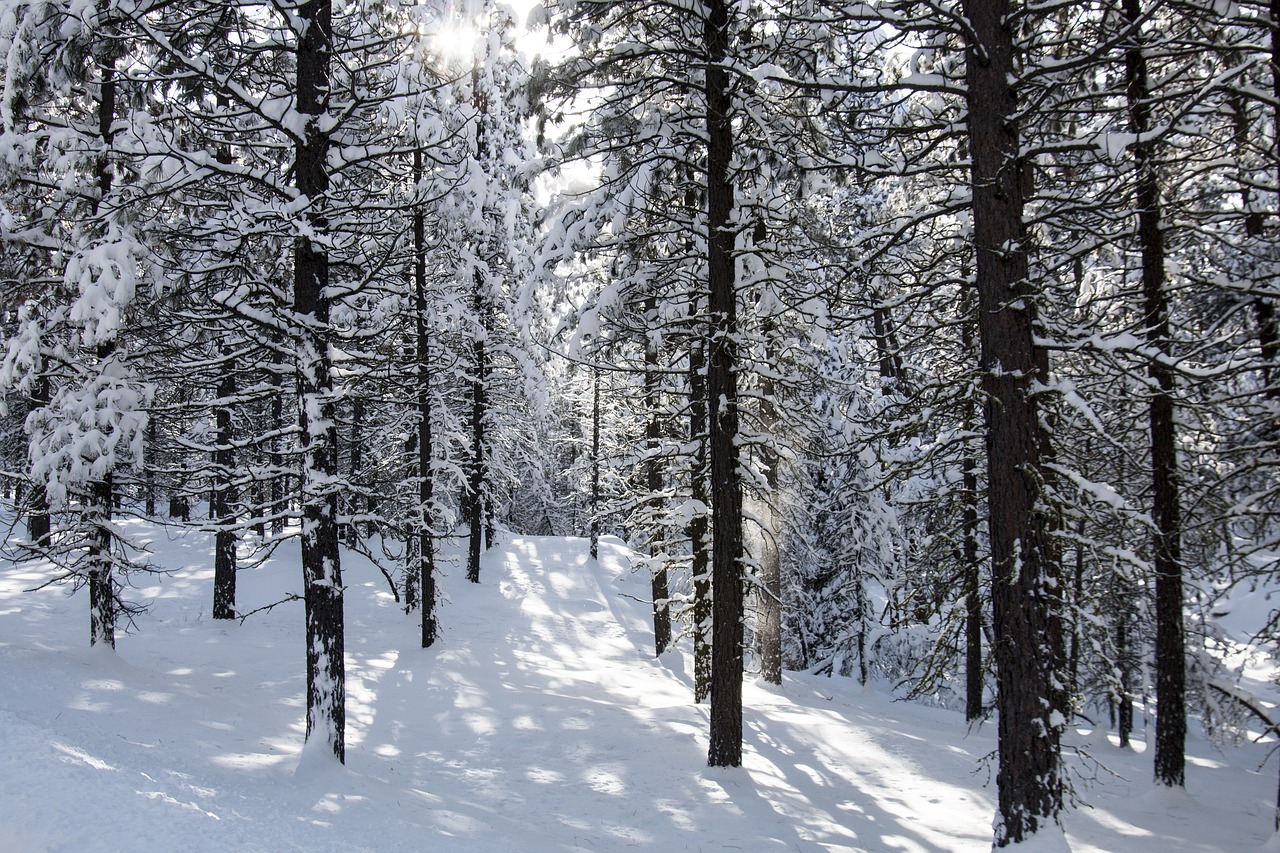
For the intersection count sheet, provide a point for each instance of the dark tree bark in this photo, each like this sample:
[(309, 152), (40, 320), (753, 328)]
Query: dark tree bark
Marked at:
[(355, 462), (100, 500), (1124, 721), (39, 527), (653, 482), (698, 524), (426, 568), (1171, 715), (322, 574), (1026, 650), (149, 504), (476, 496), (595, 464), (769, 616), (972, 568), (224, 548), (1078, 601), (973, 680), (102, 593), (279, 477), (1264, 309), (722, 386)]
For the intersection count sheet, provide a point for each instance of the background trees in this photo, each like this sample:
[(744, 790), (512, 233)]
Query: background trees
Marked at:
[(843, 316)]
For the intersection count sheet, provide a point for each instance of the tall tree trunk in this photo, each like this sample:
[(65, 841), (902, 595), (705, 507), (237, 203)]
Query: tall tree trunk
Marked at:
[(1124, 721), (1028, 774), (149, 505), (1078, 624), (426, 568), (769, 615), (973, 680), (1171, 719), (595, 464), (476, 497), (39, 527), (224, 547), (722, 385), (100, 498), (659, 591), (279, 478), (355, 462), (698, 524), (102, 593), (1268, 335), (322, 574), (1264, 310)]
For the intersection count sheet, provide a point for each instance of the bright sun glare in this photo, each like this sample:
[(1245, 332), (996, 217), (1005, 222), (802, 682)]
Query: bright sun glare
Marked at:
[(457, 30)]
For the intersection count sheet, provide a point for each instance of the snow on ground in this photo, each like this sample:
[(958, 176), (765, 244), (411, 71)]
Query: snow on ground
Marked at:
[(540, 722)]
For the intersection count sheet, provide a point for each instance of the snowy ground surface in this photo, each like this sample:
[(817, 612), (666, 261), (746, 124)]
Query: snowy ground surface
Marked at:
[(540, 722)]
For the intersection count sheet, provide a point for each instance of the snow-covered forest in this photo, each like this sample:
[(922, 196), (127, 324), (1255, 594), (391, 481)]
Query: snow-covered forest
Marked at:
[(869, 351)]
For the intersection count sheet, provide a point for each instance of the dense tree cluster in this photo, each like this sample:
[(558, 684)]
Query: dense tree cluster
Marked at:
[(931, 343)]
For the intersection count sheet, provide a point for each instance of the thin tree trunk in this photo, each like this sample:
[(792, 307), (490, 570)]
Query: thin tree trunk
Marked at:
[(659, 592), (39, 526), (224, 548), (1124, 716), (1263, 308), (1268, 335), (426, 568), (1029, 731), (1077, 623), (769, 615), (727, 544), (355, 460), (100, 499), (974, 680), (973, 593), (1171, 720), (279, 478), (699, 524), (102, 595), (595, 464), (322, 574), (149, 506), (476, 480)]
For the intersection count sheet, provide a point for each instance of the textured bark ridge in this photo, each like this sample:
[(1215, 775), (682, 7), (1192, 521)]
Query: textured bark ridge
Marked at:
[(722, 386), (1171, 715), (322, 572), (1027, 645)]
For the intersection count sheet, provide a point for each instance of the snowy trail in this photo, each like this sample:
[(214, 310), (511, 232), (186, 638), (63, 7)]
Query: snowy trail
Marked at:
[(540, 722)]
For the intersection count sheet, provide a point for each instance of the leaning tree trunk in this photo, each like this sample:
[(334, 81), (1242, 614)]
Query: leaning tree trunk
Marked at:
[(1171, 715), (722, 386), (322, 575), (1029, 730)]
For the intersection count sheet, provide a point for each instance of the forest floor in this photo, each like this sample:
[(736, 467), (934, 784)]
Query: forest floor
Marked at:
[(539, 722)]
